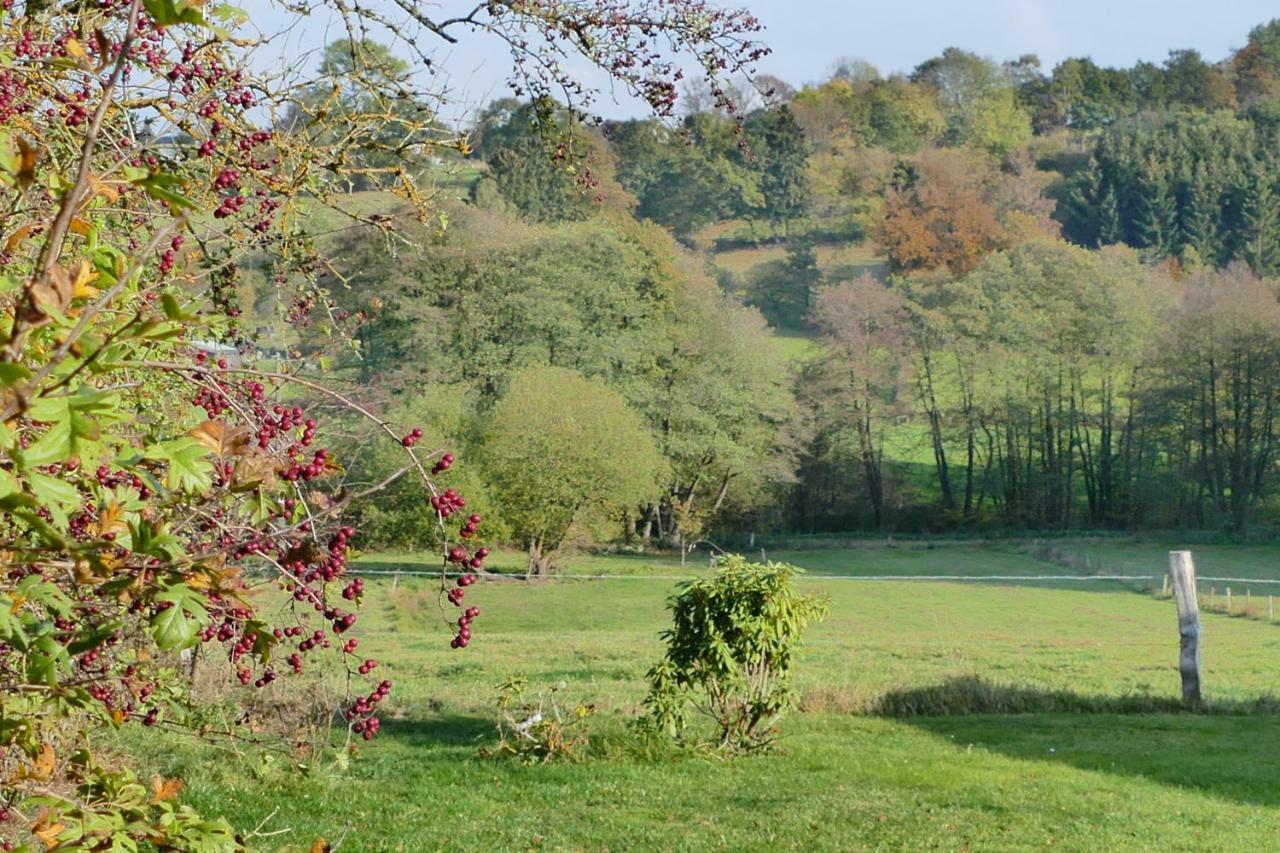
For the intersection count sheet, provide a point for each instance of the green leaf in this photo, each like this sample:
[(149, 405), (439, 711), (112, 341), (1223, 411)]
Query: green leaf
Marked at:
[(74, 429), (43, 660), (189, 466), (166, 13), (173, 310), (59, 496), (155, 540), (172, 628), (160, 187), (11, 374), (10, 626), (9, 484)]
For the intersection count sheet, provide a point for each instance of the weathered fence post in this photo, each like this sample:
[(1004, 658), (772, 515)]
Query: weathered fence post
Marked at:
[(1228, 601), (1271, 608), (1164, 587), (1183, 570)]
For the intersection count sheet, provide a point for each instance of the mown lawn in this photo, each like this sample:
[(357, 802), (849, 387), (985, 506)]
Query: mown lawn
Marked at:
[(877, 757)]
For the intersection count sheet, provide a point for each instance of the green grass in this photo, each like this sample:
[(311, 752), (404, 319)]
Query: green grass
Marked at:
[(861, 767), (797, 347)]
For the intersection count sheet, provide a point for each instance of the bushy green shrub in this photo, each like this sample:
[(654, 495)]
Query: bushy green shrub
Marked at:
[(732, 643)]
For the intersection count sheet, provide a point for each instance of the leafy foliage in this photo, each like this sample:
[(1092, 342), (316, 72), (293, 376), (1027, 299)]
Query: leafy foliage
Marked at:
[(566, 453), (730, 650)]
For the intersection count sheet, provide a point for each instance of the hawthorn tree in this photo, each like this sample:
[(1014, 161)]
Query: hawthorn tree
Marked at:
[(148, 488)]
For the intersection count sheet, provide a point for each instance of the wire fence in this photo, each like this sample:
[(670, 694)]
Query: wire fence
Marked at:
[(410, 573)]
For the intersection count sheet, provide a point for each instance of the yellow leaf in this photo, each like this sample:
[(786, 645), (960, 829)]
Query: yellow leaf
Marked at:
[(82, 284), (76, 49), (44, 765), (320, 846), (49, 834), (162, 789), (81, 227)]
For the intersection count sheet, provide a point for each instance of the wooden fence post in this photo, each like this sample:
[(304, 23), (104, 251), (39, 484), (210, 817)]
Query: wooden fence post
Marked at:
[(1183, 570), (1271, 608), (1228, 601), (1164, 587)]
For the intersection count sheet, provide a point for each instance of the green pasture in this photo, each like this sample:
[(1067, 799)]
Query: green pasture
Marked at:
[(946, 715)]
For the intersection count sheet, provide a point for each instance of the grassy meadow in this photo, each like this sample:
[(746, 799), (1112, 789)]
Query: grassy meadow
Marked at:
[(933, 715)]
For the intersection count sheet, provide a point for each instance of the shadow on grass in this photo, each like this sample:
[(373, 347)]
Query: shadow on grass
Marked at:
[(1230, 750), (445, 730), (973, 695)]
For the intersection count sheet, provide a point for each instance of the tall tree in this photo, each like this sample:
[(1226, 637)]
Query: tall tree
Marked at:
[(1201, 226), (1157, 222), (865, 328), (1259, 233), (782, 152)]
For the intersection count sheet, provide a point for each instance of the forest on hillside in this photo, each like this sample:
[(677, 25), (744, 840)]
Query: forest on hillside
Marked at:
[(979, 296)]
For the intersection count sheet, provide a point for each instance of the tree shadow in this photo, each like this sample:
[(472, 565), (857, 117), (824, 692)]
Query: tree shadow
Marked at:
[(444, 730), (1228, 750)]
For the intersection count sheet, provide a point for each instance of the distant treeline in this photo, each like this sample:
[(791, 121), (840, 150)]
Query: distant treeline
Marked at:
[(1065, 314)]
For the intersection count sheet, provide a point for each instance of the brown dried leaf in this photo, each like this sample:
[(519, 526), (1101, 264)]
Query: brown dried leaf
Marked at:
[(221, 439), (49, 834), (54, 292), (83, 572), (27, 157), (104, 47), (251, 471), (111, 519), (45, 763), (164, 789), (319, 846), (100, 188), (17, 238)]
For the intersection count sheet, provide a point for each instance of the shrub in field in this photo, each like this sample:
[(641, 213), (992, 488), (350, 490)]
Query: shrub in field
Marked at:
[(729, 652), (537, 727), (149, 492)]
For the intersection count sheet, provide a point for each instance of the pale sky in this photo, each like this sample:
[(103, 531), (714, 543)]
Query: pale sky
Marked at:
[(807, 36)]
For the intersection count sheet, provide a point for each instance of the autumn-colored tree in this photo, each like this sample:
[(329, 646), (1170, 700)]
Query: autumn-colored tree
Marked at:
[(937, 214)]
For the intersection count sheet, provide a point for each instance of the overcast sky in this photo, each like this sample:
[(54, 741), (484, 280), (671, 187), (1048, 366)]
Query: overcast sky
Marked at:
[(807, 36)]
